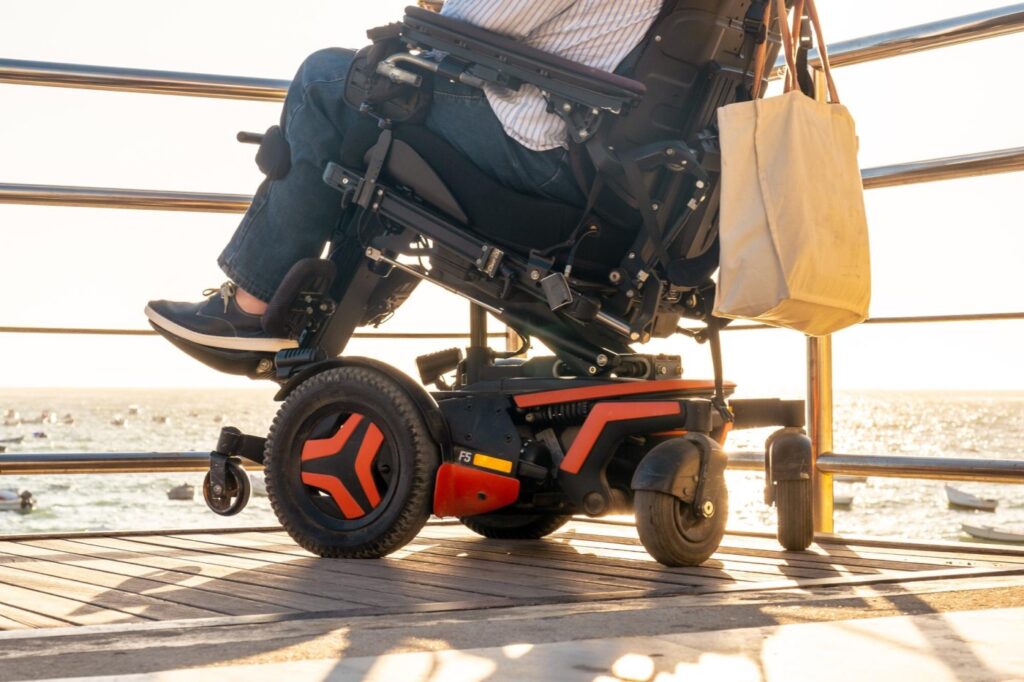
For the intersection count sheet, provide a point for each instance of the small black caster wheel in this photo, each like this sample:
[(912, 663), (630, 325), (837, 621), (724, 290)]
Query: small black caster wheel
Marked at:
[(676, 533), (236, 494)]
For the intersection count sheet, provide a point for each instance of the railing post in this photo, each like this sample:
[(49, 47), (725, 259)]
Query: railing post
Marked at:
[(819, 395), (819, 424)]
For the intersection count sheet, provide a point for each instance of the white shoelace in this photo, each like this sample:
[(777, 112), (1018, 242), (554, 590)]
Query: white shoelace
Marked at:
[(227, 292)]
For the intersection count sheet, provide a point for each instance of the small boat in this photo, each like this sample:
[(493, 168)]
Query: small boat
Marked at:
[(218, 419), (850, 479), (161, 419), (14, 440), (11, 414), (133, 410), (996, 533), (3, 449), (958, 499), (39, 434), (68, 419), (118, 420), (12, 500), (185, 491), (842, 501)]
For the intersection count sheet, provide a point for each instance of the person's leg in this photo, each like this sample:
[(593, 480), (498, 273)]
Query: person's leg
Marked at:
[(462, 116), (290, 218)]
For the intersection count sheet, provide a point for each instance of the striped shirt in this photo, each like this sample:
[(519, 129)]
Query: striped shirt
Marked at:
[(597, 33)]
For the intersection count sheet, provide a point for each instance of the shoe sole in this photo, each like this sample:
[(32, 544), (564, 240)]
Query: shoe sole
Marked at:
[(265, 345)]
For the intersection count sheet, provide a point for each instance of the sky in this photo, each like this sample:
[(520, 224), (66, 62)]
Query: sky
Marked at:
[(948, 247)]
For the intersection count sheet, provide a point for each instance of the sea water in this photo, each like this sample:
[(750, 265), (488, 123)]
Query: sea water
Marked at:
[(956, 424)]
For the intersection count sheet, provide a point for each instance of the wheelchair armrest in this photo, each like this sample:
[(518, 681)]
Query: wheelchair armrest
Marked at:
[(501, 60)]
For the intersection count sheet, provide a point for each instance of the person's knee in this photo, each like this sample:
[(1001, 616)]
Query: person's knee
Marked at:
[(328, 64)]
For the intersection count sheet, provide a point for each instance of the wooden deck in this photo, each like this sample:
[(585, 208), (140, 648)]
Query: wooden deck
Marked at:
[(249, 576)]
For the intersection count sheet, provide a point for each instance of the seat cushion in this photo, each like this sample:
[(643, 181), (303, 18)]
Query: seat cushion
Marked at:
[(517, 221)]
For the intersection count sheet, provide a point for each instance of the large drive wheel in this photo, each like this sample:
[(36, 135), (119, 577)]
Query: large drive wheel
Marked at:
[(515, 526), (673, 533), (794, 504), (350, 464)]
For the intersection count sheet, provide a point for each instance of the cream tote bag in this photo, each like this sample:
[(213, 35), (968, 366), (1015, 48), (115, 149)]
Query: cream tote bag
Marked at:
[(793, 231)]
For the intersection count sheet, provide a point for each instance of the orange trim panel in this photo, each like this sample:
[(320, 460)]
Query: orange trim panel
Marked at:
[(368, 450), (325, 447), (615, 390), (599, 417), (467, 491), (337, 490)]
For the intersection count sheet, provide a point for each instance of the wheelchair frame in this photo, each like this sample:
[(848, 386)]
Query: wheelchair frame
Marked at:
[(588, 431)]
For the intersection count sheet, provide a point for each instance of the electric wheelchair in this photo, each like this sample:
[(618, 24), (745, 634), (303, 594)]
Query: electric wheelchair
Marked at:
[(360, 455)]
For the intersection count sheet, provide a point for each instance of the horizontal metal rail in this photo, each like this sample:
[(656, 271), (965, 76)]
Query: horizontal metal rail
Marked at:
[(905, 319), (943, 33), (881, 466), (148, 81), (25, 463), (901, 466), (952, 31), (969, 165), (85, 331)]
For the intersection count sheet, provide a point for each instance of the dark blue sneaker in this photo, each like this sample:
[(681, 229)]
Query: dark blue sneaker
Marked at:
[(217, 322)]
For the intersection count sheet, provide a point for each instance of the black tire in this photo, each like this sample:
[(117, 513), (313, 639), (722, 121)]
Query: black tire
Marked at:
[(239, 488), (794, 505), (672, 532), (515, 526), (400, 472)]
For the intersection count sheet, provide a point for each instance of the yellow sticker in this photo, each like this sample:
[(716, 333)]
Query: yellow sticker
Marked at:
[(487, 462)]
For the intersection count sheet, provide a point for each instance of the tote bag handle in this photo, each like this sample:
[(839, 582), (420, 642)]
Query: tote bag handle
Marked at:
[(789, 45)]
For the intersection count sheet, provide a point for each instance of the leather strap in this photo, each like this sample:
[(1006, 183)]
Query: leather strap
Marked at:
[(789, 44)]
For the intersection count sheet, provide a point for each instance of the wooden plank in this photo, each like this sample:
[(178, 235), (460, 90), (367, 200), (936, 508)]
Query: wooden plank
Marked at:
[(183, 588), (824, 552), (598, 552), (100, 595), (499, 564), (306, 589), (61, 608), (390, 569)]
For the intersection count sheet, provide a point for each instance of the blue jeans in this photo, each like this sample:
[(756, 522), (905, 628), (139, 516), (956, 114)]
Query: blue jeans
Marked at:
[(295, 216)]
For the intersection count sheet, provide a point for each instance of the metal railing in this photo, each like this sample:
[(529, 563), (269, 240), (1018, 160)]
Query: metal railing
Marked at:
[(919, 38)]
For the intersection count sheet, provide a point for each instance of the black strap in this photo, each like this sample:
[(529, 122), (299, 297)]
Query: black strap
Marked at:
[(714, 328)]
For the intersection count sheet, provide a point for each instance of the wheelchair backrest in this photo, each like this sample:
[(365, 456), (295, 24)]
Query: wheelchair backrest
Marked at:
[(697, 57)]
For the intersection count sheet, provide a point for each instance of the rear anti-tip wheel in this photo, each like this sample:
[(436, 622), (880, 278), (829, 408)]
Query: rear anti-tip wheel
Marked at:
[(234, 497), (515, 526), (673, 532), (350, 464), (795, 506)]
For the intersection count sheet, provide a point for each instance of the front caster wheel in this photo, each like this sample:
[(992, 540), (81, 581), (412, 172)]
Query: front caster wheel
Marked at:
[(234, 497), (795, 506), (515, 526), (350, 464), (673, 533)]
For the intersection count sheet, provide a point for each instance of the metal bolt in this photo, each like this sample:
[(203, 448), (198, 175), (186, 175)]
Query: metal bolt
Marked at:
[(614, 276), (376, 205), (591, 370), (380, 192), (265, 365), (217, 489), (534, 275), (708, 509), (670, 152), (655, 206), (634, 336), (630, 294), (344, 181), (631, 255), (657, 39), (530, 417), (567, 107), (602, 360), (700, 184), (663, 370)]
